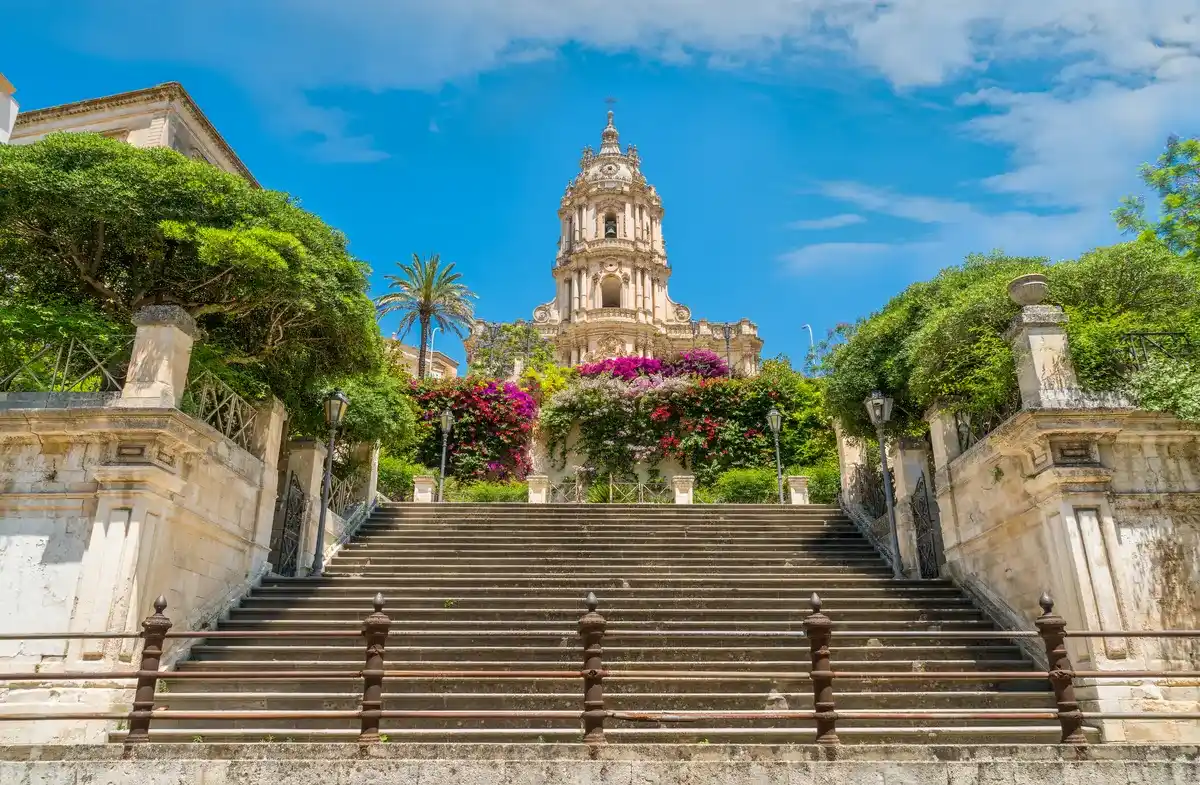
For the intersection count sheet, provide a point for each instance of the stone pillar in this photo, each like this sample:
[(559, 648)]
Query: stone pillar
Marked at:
[(850, 454), (539, 488), (306, 459), (162, 352), (423, 485), (943, 437), (8, 110), (683, 484), (1039, 341), (366, 454), (907, 459), (268, 435), (798, 488)]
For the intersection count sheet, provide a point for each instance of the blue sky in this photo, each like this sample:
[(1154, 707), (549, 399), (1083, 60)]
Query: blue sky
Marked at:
[(814, 156)]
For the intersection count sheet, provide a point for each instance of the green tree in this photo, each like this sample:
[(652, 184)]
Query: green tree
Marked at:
[(94, 221), (495, 348), (1176, 179), (428, 293)]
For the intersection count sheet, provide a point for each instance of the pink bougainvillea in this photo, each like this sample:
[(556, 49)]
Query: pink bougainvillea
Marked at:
[(692, 362), (493, 421)]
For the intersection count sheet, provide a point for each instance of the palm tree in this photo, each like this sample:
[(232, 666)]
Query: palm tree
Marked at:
[(428, 292)]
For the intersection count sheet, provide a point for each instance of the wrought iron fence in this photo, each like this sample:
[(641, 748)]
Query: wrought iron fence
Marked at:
[(971, 427), (921, 506), (617, 492), (211, 400), (342, 493), (571, 491), (286, 542), (593, 713), (69, 366), (1145, 346), (866, 489)]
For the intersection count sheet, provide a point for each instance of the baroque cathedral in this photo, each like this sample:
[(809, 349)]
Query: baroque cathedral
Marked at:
[(611, 273)]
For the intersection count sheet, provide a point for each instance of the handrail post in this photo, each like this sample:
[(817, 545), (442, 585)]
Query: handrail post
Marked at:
[(154, 636), (375, 631), (591, 630), (819, 630), (1052, 628)]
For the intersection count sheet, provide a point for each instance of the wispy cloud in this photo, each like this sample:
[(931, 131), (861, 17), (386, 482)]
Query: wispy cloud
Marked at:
[(832, 222)]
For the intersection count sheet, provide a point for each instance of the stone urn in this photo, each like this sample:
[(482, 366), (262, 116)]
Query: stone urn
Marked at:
[(1028, 289)]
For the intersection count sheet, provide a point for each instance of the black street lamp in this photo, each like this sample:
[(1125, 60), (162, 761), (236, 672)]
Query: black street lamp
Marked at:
[(335, 410), (879, 409), (775, 422), (447, 424), (728, 330)]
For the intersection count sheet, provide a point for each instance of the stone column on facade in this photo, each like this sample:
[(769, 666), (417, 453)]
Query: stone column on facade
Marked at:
[(798, 489), (1038, 336), (268, 437), (306, 459), (162, 352), (423, 485), (943, 437), (850, 455), (539, 488)]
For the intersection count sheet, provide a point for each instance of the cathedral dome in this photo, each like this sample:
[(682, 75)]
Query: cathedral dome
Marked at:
[(610, 165)]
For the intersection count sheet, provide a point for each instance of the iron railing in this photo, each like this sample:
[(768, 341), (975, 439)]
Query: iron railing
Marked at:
[(1143, 347), (72, 366), (568, 492), (972, 427), (617, 492), (593, 713), (343, 493), (212, 401)]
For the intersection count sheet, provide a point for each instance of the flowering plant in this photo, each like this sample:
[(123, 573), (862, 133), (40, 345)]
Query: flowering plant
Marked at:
[(493, 423)]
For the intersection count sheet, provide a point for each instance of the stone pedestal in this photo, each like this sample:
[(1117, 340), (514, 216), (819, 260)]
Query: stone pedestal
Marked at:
[(908, 459), (683, 485), (366, 454), (1039, 340), (306, 459), (423, 488), (798, 488), (268, 436), (162, 352), (539, 488)]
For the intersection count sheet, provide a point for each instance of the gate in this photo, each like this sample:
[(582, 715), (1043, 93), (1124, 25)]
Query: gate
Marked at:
[(287, 539), (926, 530)]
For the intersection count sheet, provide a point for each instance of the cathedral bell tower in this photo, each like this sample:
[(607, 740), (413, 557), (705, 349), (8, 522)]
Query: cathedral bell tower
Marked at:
[(611, 271)]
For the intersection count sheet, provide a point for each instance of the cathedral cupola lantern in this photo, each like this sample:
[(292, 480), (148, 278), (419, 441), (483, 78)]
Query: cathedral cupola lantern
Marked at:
[(611, 271)]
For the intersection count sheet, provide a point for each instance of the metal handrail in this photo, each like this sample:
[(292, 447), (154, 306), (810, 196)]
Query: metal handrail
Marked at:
[(821, 673)]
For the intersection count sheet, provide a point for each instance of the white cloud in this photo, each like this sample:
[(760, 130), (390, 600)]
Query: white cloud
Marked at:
[(832, 222)]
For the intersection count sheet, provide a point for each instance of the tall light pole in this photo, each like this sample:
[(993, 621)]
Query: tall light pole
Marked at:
[(447, 424), (335, 409), (775, 422), (879, 409), (727, 330), (811, 343)]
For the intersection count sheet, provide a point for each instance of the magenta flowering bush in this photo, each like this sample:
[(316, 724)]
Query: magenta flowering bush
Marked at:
[(700, 363), (493, 421)]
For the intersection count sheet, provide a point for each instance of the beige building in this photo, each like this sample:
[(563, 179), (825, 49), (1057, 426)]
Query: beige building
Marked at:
[(438, 365), (611, 272), (8, 109), (160, 116)]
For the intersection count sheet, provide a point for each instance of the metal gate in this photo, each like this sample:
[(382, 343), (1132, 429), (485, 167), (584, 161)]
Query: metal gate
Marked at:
[(287, 540), (926, 530)]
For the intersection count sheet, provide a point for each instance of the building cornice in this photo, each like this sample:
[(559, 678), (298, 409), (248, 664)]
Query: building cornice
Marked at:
[(168, 91)]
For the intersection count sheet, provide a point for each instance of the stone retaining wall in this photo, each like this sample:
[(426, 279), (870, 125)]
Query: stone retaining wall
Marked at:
[(562, 764)]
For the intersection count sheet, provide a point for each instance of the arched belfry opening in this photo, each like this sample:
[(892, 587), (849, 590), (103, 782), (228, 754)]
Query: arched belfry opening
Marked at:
[(610, 292), (610, 225)]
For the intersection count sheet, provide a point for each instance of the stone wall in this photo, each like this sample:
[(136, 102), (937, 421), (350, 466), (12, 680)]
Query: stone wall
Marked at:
[(576, 764), (1097, 503)]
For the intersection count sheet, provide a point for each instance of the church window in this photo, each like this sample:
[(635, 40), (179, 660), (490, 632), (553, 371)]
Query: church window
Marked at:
[(610, 225), (610, 292)]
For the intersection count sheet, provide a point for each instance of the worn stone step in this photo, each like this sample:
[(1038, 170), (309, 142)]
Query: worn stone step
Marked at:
[(288, 589), (796, 604), (616, 614)]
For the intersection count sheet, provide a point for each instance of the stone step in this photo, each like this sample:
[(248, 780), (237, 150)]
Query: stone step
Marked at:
[(616, 550), (796, 604), (289, 589), (449, 612), (627, 579), (619, 627), (626, 571)]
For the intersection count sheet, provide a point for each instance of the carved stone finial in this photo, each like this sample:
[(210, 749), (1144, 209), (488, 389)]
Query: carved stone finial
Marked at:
[(591, 602), (1047, 603), (378, 602), (1028, 289), (815, 602)]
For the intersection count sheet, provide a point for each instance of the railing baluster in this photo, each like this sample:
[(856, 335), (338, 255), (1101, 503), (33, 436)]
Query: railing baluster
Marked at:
[(591, 630), (819, 630), (154, 635), (1053, 628), (374, 631)]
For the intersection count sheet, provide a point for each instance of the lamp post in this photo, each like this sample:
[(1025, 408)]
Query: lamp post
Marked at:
[(811, 342), (727, 331), (447, 424), (775, 421), (335, 409), (879, 409), (429, 358)]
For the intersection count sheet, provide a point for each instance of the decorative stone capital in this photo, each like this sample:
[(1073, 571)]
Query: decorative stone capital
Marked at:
[(423, 488), (165, 316), (798, 487), (539, 488), (683, 485)]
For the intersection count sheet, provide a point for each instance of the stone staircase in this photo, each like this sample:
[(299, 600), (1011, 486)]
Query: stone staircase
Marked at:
[(501, 587)]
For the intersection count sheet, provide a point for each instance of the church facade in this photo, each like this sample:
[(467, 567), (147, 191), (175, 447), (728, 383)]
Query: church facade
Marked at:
[(611, 273)]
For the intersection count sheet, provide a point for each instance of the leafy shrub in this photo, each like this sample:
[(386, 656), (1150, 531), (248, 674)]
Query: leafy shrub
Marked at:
[(485, 491), (396, 476), (747, 486), (493, 421), (824, 481), (703, 363)]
